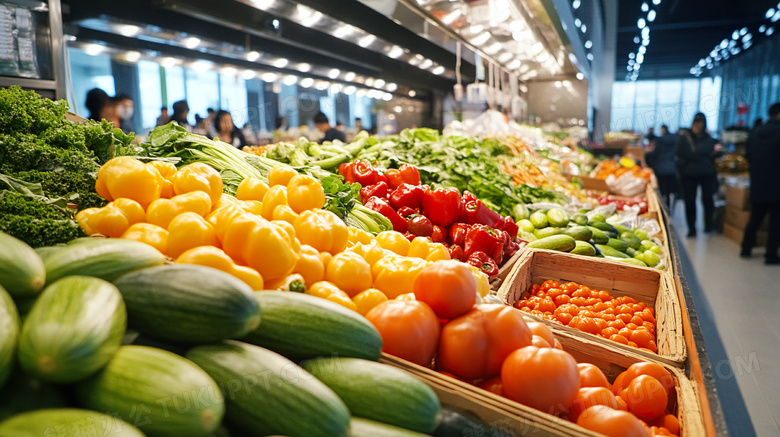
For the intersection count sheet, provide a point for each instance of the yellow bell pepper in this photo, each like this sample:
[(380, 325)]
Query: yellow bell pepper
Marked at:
[(111, 220), (225, 200), (284, 213), (83, 218), (281, 175), (152, 235), (211, 256), (326, 257), (252, 206), (290, 231), (357, 235), (294, 282), (426, 249), (483, 285), (220, 219), (276, 195), (162, 211), (329, 291), (366, 300), (167, 170), (131, 209), (350, 272), (198, 177), (255, 242), (322, 230), (394, 242), (189, 230), (305, 193), (251, 189), (309, 265), (406, 296), (129, 178), (371, 251), (395, 275)]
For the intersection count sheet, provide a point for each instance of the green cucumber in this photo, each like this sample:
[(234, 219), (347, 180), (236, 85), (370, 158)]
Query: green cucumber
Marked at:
[(641, 234), (631, 251), (633, 261), (47, 251), (547, 232), (66, 422), (598, 235), (526, 236), (300, 326), (617, 244), (359, 427), (651, 258), (557, 217), (604, 226), (597, 218), (9, 334), (520, 212), (632, 240), (23, 393), (580, 219), (583, 248), (73, 330), (611, 251), (187, 303), (22, 273), (160, 392), (539, 220), (268, 394), (620, 228), (104, 258), (581, 233), (379, 392), (562, 243), (526, 226)]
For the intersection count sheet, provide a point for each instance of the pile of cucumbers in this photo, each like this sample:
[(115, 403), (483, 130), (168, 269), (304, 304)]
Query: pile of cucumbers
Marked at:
[(555, 229)]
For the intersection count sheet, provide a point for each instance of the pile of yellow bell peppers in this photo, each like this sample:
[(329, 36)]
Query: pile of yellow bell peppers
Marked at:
[(272, 235)]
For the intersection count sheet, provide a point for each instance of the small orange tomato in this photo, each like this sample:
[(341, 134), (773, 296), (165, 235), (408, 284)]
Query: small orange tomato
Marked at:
[(409, 329), (591, 376), (646, 397), (493, 385), (588, 397), (546, 379), (539, 342), (448, 287), (611, 422), (542, 331), (651, 369)]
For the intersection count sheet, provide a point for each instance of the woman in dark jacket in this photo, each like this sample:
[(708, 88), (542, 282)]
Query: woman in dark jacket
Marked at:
[(695, 152), (227, 131), (662, 161), (180, 112)]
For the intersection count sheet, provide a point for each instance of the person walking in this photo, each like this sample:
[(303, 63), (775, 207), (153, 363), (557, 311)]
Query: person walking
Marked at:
[(323, 125), (661, 159), (125, 110), (695, 151), (164, 118), (763, 154), (180, 112)]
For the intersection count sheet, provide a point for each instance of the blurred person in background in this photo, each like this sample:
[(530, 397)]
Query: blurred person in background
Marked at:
[(164, 118), (358, 125), (650, 137), (226, 130), (95, 102), (662, 160), (125, 110), (323, 125), (758, 122), (763, 154), (695, 151), (249, 134), (180, 112), (340, 126)]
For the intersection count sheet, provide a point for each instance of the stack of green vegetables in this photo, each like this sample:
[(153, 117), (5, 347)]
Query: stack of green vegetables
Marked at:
[(46, 162)]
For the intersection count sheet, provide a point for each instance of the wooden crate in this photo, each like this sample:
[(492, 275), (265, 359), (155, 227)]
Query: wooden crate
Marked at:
[(643, 284)]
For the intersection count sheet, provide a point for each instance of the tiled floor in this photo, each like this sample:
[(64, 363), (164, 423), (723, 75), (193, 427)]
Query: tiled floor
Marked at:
[(742, 297)]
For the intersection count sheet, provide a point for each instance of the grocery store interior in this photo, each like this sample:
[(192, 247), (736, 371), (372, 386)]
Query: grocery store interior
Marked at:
[(626, 145)]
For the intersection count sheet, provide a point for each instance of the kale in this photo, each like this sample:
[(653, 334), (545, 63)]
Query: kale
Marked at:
[(76, 187), (36, 220), (26, 111)]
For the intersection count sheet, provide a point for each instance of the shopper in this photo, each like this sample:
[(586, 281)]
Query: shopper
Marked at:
[(661, 159), (650, 137), (164, 118), (758, 123), (340, 126), (180, 112), (323, 125), (226, 131), (97, 99), (695, 151), (358, 125), (125, 110), (763, 154)]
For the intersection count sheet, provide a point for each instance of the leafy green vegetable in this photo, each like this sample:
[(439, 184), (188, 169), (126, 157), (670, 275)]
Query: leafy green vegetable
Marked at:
[(340, 197), (36, 220)]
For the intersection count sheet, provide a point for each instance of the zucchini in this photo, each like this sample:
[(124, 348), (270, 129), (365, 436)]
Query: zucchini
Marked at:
[(580, 219), (617, 244), (547, 232), (161, 393), (47, 251), (583, 248), (620, 229), (66, 422), (604, 226), (597, 218), (611, 251), (557, 217), (562, 243), (9, 334), (632, 240), (526, 226), (539, 220), (379, 392), (520, 212), (22, 273), (581, 233), (268, 394), (73, 330), (187, 303), (598, 235), (633, 261), (101, 258), (368, 428), (300, 326), (631, 251)]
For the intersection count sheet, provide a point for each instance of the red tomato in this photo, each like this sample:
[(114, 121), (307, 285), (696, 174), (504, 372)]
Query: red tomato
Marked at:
[(651, 369), (539, 342), (557, 345), (493, 385), (448, 287), (591, 376), (588, 397), (541, 330), (611, 422), (546, 379), (409, 329), (646, 397)]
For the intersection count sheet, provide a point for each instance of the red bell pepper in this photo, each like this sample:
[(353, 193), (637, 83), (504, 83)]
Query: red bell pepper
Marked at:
[(377, 190), (439, 234), (456, 252), (420, 225), (478, 213), (442, 206), (511, 249), (405, 211), (511, 227), (381, 206), (366, 174), (484, 263), (410, 236), (481, 238), (457, 233), (345, 170), (407, 195), (406, 174), (468, 197)]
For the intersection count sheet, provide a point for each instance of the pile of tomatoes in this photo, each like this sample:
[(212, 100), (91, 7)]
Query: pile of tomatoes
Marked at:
[(621, 319), (442, 326)]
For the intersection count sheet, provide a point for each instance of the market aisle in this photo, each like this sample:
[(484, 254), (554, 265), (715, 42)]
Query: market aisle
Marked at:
[(744, 298)]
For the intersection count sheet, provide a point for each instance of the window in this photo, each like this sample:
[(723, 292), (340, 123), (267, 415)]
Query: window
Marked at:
[(150, 95), (87, 72), (202, 91), (174, 86), (233, 98)]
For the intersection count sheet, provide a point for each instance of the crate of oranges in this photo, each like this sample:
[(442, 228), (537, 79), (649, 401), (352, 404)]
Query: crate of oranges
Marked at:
[(612, 303)]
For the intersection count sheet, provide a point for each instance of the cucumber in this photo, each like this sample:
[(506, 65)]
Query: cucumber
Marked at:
[(101, 258), (580, 219), (161, 393), (557, 217), (526, 236), (9, 334), (597, 218), (368, 428), (520, 212), (633, 261), (145, 340), (620, 228), (562, 243), (610, 251), (632, 240), (459, 423), (605, 227), (539, 220), (583, 248), (66, 422), (651, 258), (22, 273), (526, 225), (187, 303), (73, 330), (598, 235), (47, 251), (24, 393), (379, 392), (547, 232), (617, 244), (640, 233), (300, 326), (268, 394), (581, 233), (631, 251)]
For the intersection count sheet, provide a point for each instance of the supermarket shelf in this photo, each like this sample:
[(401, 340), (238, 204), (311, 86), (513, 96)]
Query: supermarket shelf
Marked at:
[(36, 84)]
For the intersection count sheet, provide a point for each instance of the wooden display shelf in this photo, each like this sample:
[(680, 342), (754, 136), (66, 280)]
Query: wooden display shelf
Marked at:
[(619, 279), (503, 272)]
